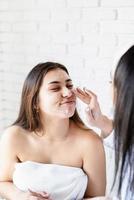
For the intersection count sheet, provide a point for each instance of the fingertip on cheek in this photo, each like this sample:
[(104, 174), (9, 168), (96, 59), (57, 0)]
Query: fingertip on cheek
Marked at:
[(77, 87), (74, 91)]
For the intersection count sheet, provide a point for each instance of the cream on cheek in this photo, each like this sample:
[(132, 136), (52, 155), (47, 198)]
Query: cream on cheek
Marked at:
[(43, 99), (49, 101)]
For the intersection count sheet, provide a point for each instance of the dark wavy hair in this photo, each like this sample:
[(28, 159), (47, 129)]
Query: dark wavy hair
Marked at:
[(29, 117), (124, 120)]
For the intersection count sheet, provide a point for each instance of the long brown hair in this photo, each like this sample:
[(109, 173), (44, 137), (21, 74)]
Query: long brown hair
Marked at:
[(29, 116)]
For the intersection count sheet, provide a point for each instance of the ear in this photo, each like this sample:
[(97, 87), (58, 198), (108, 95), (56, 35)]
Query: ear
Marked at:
[(36, 104)]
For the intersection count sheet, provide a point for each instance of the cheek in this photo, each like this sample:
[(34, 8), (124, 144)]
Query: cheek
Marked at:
[(48, 102), (53, 98)]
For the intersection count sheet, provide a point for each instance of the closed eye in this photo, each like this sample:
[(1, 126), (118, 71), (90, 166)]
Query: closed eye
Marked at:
[(70, 86), (55, 89)]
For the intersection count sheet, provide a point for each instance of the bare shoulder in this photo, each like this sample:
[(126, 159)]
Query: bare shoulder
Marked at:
[(10, 145), (90, 143), (12, 135), (89, 138)]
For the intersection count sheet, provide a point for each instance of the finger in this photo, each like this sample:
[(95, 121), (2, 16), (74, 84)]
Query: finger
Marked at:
[(39, 194), (84, 99), (89, 92), (80, 95), (78, 90), (81, 91), (83, 96), (32, 192), (44, 194), (85, 93), (45, 198)]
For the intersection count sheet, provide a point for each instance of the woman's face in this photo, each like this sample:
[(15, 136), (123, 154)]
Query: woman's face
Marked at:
[(56, 97)]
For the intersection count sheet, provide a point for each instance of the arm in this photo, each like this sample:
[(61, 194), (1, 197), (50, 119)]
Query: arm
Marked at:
[(94, 166), (8, 157), (93, 112), (100, 198), (9, 191), (106, 126)]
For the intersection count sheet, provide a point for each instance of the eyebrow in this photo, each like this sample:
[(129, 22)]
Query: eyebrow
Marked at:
[(57, 82)]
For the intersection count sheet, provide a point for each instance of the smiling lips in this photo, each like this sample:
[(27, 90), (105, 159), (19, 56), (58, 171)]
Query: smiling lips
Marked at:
[(68, 102)]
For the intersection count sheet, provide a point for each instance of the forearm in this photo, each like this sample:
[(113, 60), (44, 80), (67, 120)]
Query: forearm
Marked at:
[(106, 127), (99, 198), (9, 191)]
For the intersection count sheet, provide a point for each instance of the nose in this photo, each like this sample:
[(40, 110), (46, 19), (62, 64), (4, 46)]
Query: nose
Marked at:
[(66, 92)]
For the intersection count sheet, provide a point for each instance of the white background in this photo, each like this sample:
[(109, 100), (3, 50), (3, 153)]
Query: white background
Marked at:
[(84, 35)]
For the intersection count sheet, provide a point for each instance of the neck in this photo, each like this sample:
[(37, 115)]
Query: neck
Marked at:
[(55, 128)]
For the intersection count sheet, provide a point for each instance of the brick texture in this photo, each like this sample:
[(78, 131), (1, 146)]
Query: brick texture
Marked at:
[(84, 35)]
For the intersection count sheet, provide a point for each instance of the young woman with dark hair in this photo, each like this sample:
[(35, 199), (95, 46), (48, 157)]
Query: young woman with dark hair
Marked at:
[(48, 152), (123, 122)]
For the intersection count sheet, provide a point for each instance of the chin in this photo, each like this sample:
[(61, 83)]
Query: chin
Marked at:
[(68, 114)]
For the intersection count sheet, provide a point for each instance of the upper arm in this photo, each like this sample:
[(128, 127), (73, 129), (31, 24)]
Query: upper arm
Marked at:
[(95, 167), (8, 155)]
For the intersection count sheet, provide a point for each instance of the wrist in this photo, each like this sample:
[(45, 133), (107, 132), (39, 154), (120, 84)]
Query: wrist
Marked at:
[(106, 126)]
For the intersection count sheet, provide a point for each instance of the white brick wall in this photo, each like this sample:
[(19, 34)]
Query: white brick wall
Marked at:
[(82, 34)]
